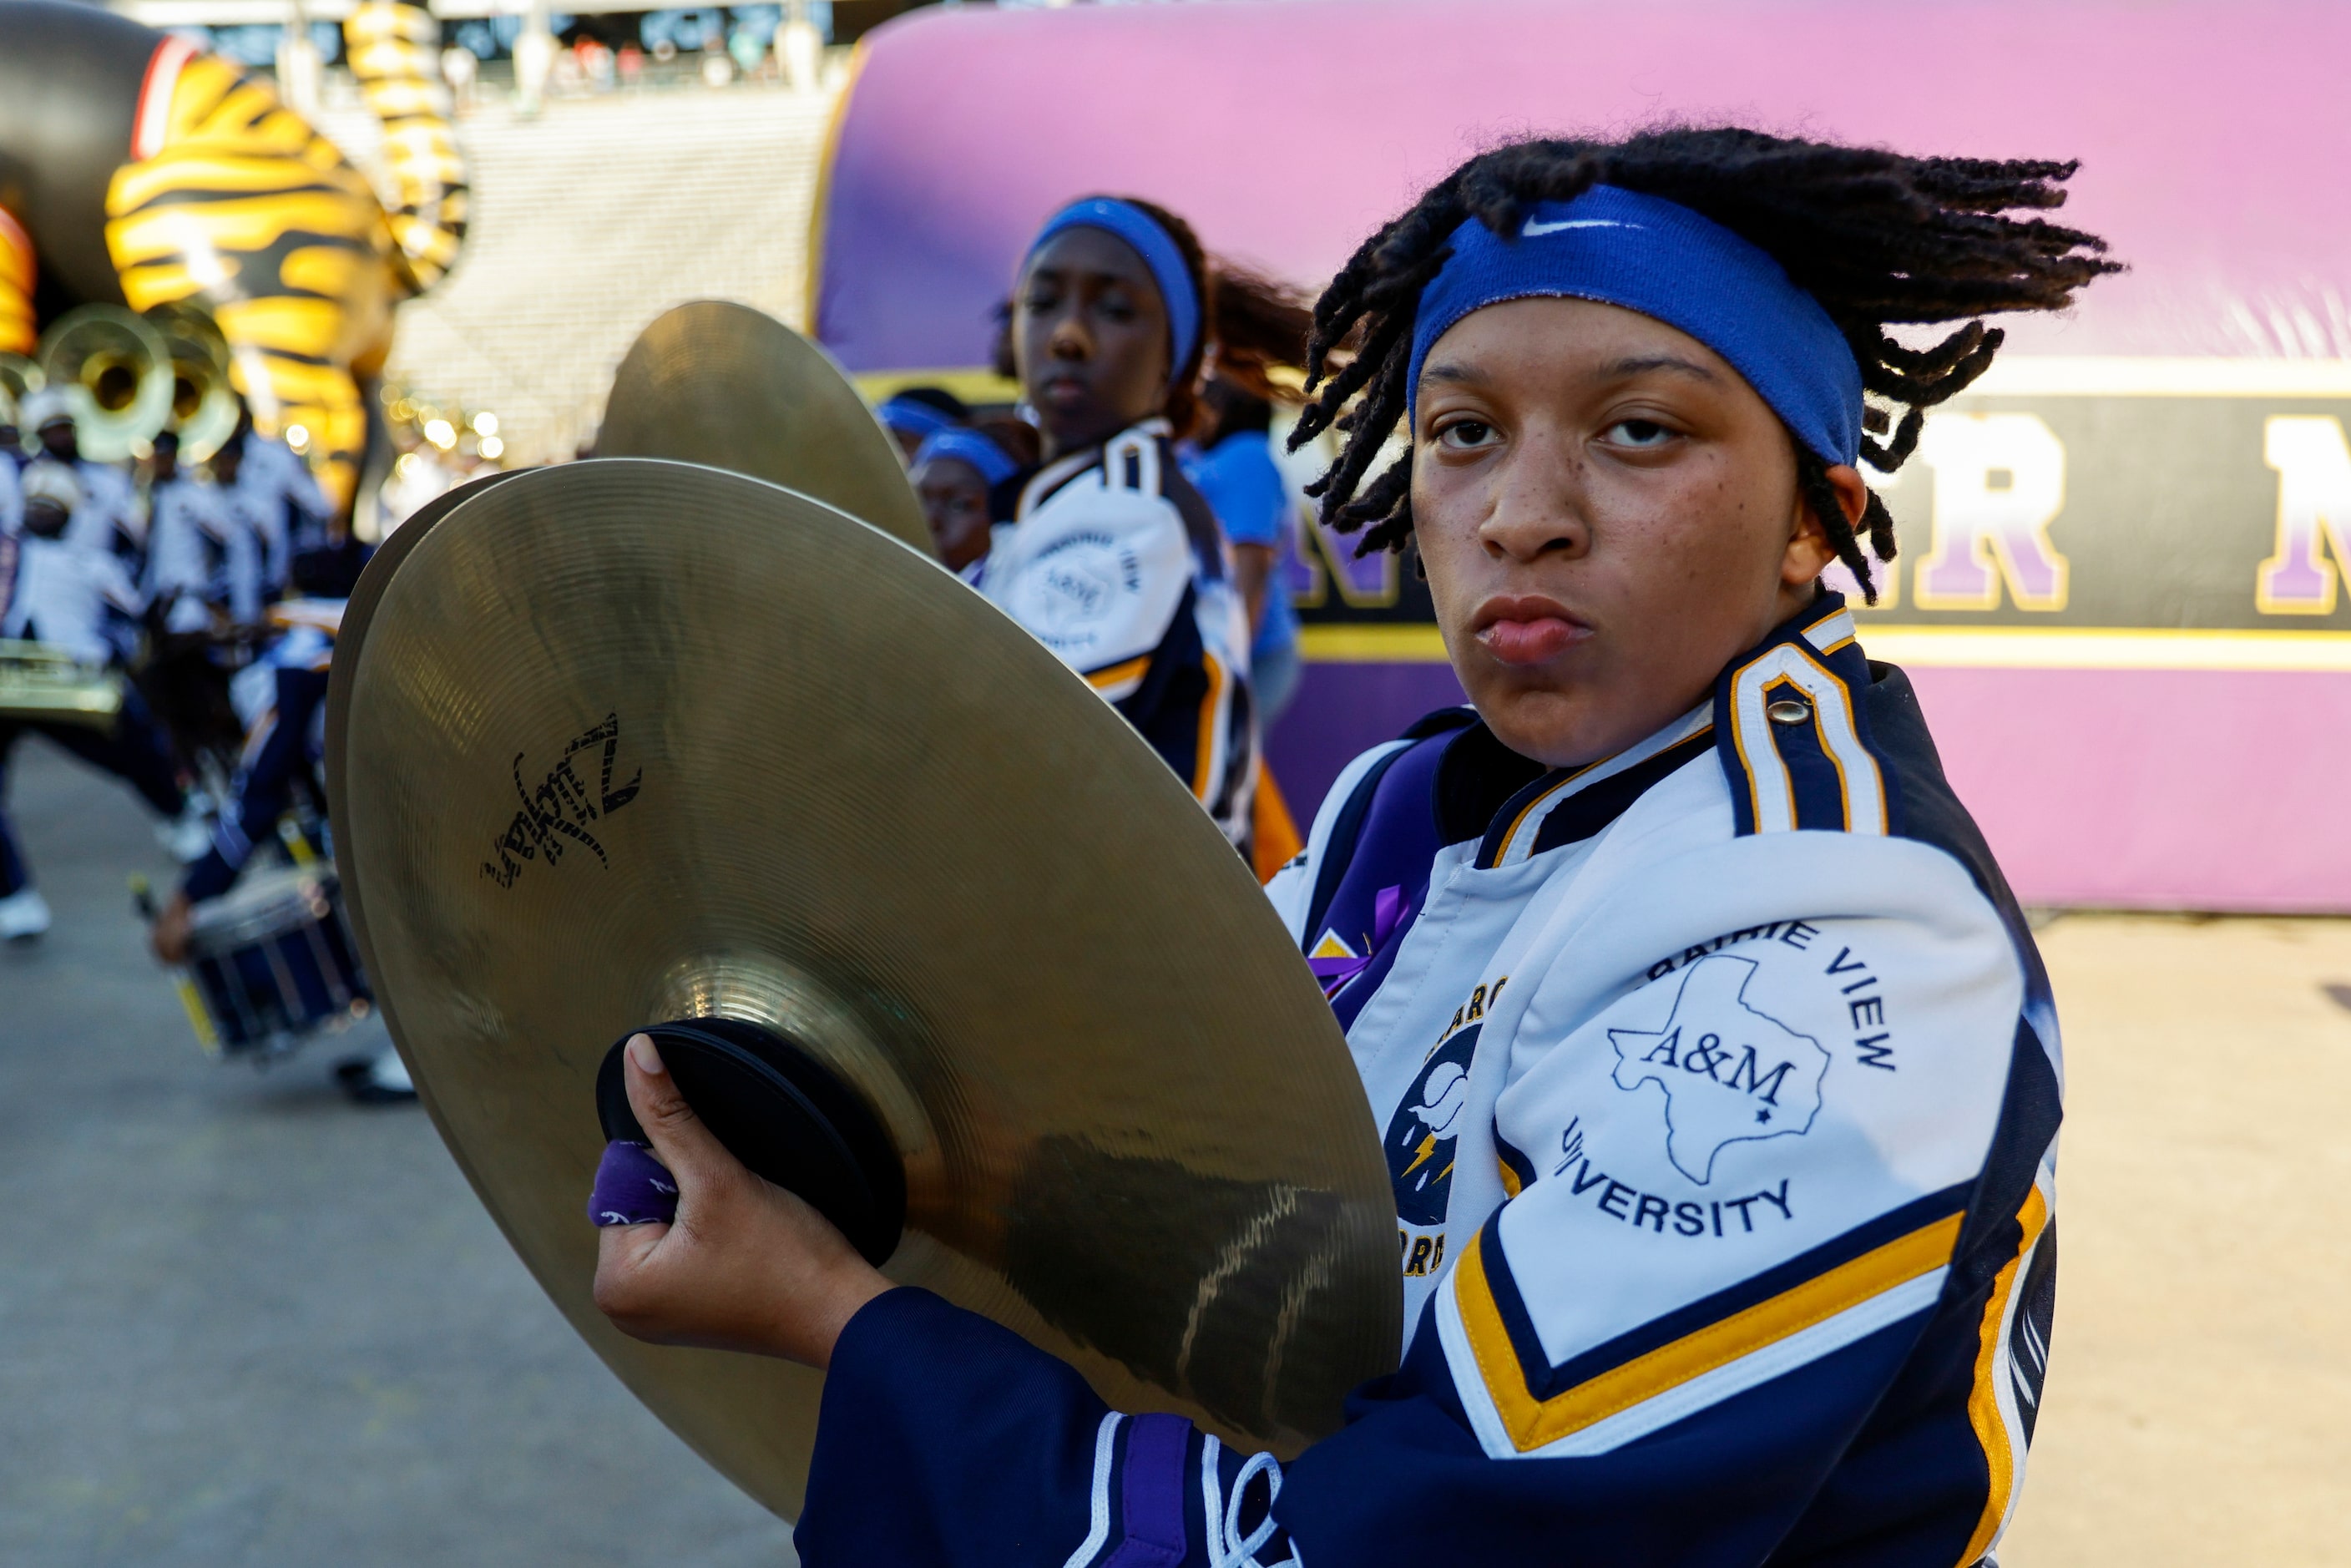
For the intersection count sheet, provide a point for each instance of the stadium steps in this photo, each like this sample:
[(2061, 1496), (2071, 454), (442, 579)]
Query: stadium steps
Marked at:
[(587, 222)]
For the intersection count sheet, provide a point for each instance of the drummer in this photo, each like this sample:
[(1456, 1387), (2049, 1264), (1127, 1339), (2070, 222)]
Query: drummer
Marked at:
[(956, 472), (82, 603), (1716, 1070), (1111, 559), (282, 697)]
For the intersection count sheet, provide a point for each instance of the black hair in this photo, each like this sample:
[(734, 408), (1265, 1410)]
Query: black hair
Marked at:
[(1878, 238), (937, 398), (1233, 410), (1255, 324)]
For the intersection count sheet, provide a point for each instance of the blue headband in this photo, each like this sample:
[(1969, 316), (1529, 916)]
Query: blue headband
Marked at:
[(1662, 259), (914, 415), (1143, 235), (995, 463)]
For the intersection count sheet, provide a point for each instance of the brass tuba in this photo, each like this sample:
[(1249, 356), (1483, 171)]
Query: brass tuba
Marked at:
[(203, 403), (18, 376), (121, 366)]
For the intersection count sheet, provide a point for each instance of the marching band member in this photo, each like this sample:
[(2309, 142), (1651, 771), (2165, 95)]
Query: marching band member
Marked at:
[(955, 472), (268, 490), (106, 516), (199, 560), (1111, 558), (12, 464), (914, 415), (282, 698), (73, 598), (1718, 1071)]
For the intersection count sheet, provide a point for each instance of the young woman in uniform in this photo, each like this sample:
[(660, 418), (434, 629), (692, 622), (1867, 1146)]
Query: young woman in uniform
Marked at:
[(1111, 559), (1716, 1069)]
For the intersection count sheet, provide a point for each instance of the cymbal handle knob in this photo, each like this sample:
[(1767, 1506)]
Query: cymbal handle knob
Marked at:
[(782, 1113)]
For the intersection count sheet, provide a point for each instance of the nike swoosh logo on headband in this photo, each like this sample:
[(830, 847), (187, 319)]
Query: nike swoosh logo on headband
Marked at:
[(1536, 228)]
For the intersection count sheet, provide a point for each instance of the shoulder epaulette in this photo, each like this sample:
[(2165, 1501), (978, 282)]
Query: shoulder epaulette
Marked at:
[(1794, 737), (1130, 461)]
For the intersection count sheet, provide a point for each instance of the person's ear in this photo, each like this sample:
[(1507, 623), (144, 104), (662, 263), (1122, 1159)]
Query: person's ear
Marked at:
[(1809, 552)]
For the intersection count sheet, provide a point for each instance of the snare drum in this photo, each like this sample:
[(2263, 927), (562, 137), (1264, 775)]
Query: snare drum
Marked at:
[(271, 962)]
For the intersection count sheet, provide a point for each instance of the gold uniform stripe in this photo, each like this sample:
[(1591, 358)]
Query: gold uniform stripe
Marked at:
[(1983, 1398), (1531, 1423), (1114, 675), (1212, 705)]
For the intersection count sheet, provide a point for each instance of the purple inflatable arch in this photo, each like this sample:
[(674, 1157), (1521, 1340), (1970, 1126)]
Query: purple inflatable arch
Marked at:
[(2119, 587)]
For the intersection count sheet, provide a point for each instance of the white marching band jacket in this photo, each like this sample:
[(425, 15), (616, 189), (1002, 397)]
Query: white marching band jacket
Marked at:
[(1114, 562), (1718, 1083)]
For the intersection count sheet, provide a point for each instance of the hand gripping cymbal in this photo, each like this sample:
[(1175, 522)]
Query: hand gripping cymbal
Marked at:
[(729, 387), (626, 743)]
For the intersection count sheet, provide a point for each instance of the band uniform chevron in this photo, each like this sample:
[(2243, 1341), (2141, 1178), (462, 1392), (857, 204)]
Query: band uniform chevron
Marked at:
[(1531, 1423), (1790, 671)]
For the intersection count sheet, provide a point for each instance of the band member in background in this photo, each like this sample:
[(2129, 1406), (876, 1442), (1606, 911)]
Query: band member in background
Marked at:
[(106, 517), (268, 490), (80, 602), (1111, 559), (955, 472), (916, 414), (12, 485), (1233, 467), (1718, 1071), (204, 568), (282, 696)]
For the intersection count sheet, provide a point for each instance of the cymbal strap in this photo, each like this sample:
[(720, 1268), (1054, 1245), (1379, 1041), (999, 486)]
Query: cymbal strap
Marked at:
[(632, 1187)]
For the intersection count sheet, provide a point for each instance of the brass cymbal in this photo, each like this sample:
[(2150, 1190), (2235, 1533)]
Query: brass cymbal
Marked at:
[(729, 387), (626, 741)]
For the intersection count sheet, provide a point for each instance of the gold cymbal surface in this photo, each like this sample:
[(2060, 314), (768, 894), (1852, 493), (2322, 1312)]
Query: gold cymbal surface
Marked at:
[(729, 387), (626, 741)]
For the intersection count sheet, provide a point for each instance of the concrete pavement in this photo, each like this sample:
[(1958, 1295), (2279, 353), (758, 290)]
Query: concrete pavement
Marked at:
[(243, 1321)]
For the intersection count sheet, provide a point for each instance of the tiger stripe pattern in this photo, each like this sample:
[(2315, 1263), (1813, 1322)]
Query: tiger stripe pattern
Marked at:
[(392, 49), (234, 202), (18, 332)]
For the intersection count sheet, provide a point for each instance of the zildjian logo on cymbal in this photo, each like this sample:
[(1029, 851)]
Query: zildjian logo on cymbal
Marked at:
[(561, 807)]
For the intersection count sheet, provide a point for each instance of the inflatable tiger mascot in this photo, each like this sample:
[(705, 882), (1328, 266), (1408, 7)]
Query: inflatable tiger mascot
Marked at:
[(138, 170)]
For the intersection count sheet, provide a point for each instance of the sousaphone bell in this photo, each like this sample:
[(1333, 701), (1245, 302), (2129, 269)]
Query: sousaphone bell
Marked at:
[(120, 369), (203, 401)]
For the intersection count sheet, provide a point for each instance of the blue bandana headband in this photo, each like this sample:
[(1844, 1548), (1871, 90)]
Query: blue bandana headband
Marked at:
[(915, 416), (1660, 258), (995, 464), (1143, 236)]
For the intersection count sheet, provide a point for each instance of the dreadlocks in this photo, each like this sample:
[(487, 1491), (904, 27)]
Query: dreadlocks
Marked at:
[(1878, 239)]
